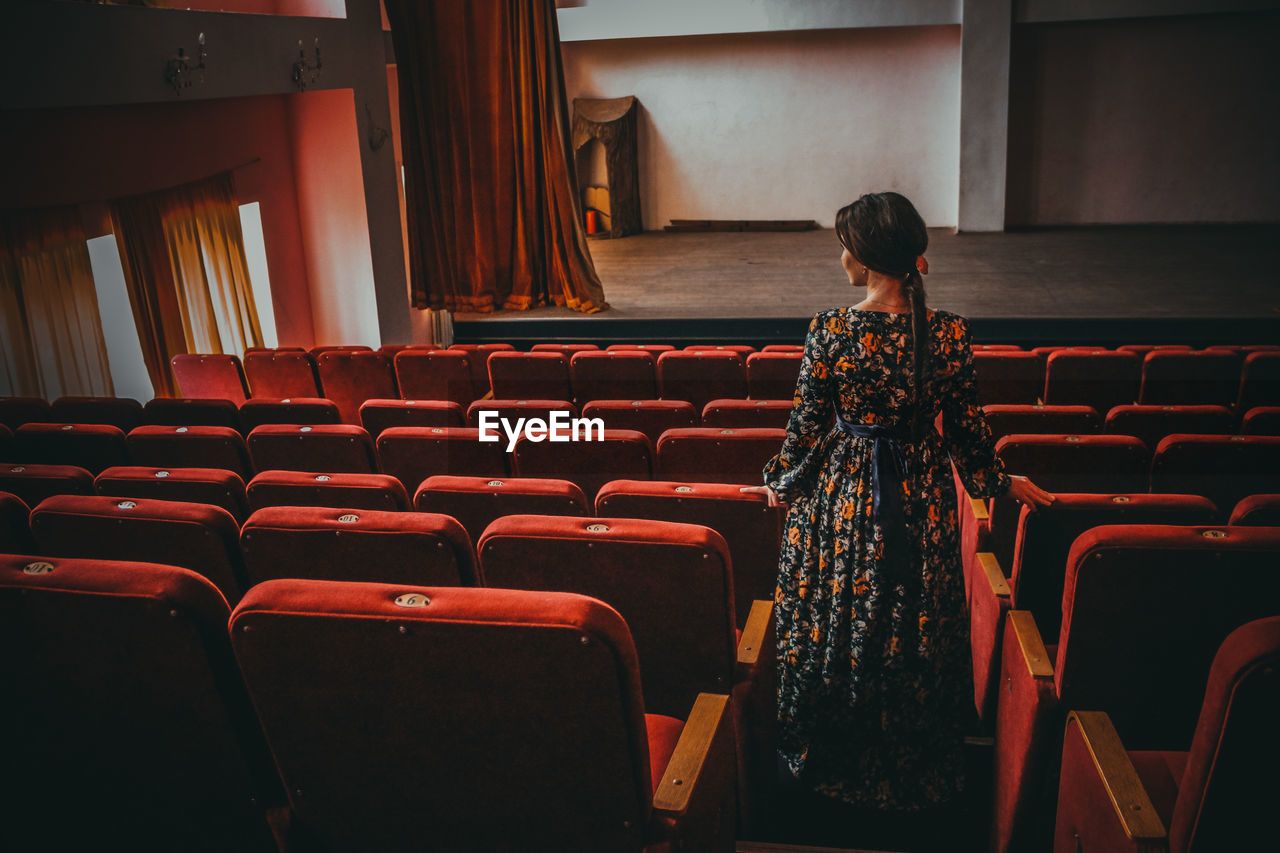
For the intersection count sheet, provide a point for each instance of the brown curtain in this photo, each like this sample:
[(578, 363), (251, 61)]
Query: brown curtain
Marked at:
[(52, 334), (494, 218), (184, 265)]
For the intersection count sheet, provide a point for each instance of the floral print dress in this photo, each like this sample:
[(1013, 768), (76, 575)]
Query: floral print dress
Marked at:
[(874, 676)]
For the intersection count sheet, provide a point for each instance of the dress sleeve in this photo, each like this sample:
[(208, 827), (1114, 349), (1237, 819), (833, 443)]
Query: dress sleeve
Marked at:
[(794, 470), (964, 426)]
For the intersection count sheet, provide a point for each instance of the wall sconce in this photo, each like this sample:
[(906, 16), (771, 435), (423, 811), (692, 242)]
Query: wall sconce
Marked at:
[(178, 71), (304, 72)]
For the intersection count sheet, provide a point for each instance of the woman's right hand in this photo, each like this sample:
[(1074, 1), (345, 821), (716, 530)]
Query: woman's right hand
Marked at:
[(1028, 493), (769, 493)]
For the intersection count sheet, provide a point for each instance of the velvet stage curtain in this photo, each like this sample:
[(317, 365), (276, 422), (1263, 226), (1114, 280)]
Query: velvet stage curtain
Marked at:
[(184, 266), (493, 213), (51, 343)]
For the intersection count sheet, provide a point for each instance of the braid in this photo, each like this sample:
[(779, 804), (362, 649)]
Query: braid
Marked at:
[(914, 289)]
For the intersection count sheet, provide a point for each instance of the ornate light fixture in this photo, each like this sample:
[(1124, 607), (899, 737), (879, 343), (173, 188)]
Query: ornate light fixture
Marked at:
[(179, 72), (304, 72)]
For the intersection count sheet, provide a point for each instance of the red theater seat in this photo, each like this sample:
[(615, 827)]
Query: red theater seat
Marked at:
[(773, 375), (479, 360), (130, 708), (1098, 378), (34, 483), (15, 526), (1034, 580), (316, 352), (377, 415), (218, 377), (701, 376), (617, 454), (89, 446), (1153, 423), (783, 348), (16, 411), (740, 350), (1261, 420), (344, 491), (746, 414), (324, 448), (502, 720), (1257, 511), (1008, 377), (1008, 419), (1219, 795), (478, 501), (1223, 468), (1145, 608), (351, 377), (199, 537), (436, 375), (717, 455), (119, 412), (324, 543), (305, 411), (651, 417), (750, 527), (190, 447), (1198, 378), (544, 375), (514, 410), (612, 375), (181, 411), (214, 486), (412, 454), (276, 374), (1259, 381)]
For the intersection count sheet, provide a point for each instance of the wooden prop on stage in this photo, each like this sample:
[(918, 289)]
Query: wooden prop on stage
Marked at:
[(613, 122)]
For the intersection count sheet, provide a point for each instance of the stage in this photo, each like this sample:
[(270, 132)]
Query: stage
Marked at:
[(1104, 286)]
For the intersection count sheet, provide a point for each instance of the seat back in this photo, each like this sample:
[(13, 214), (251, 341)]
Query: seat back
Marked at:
[(746, 414), (89, 446), (612, 375), (1229, 788), (349, 377), (750, 527), (16, 411), (219, 377), (672, 583), (15, 526), (199, 537), (130, 708), (782, 348), (479, 361), (377, 415), (1010, 418), (277, 374), (743, 351), (611, 454), (305, 411), (1261, 420), (1098, 378), (1204, 377), (328, 448), (190, 447), (34, 483), (324, 543), (1257, 511), (1259, 381), (651, 417), (1008, 377), (436, 375), (717, 455), (412, 454), (1153, 423), (349, 491), (773, 375), (214, 486), (700, 376), (120, 412), (653, 349), (1223, 468), (514, 410), (567, 350), (501, 719), (477, 501), (1145, 608), (185, 411), (544, 375)]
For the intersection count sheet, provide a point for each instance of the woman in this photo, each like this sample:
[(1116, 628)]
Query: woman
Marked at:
[(875, 689)]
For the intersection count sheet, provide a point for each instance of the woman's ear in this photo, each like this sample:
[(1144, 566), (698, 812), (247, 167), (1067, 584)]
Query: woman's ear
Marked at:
[(922, 264)]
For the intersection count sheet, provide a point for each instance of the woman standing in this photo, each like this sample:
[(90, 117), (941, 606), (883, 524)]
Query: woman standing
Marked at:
[(875, 687)]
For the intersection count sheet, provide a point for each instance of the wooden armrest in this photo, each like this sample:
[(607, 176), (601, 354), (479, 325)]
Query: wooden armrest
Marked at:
[(994, 574), (756, 633), (978, 506), (1116, 771), (1034, 653), (707, 720)]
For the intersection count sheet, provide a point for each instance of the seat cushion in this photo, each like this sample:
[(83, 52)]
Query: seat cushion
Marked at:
[(664, 732)]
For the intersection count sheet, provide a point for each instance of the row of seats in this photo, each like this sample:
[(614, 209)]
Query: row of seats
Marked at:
[(1149, 423)]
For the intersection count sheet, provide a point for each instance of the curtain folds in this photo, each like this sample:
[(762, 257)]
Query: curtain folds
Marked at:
[(494, 217), (52, 334), (183, 257)]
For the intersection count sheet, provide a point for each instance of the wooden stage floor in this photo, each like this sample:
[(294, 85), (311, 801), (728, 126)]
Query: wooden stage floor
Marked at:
[(1207, 283)]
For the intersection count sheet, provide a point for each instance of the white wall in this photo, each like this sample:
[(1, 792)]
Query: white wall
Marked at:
[(785, 125)]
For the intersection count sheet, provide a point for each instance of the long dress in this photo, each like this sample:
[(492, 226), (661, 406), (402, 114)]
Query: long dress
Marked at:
[(874, 675)]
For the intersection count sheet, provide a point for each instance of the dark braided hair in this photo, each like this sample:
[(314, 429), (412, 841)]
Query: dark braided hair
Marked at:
[(884, 232)]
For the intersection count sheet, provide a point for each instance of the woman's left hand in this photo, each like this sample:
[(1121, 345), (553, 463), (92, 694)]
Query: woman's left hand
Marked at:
[(769, 493)]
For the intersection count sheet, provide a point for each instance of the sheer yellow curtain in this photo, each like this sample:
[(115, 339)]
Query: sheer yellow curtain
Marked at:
[(53, 344)]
